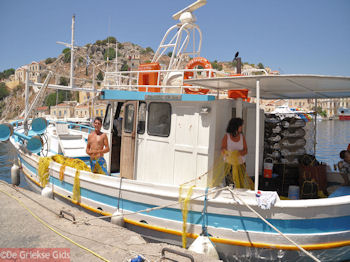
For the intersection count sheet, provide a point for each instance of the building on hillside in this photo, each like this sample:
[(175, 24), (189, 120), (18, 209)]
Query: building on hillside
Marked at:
[(85, 97), (270, 105), (20, 74), (43, 111), (82, 111), (133, 59), (63, 110), (99, 109), (36, 72)]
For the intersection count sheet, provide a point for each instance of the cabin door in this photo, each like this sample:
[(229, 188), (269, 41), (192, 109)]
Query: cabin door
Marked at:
[(128, 140)]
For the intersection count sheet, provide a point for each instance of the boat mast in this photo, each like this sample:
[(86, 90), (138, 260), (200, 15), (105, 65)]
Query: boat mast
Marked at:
[(181, 37), (72, 47), (72, 54)]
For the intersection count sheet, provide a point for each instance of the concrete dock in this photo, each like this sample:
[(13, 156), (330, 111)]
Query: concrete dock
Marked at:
[(26, 219)]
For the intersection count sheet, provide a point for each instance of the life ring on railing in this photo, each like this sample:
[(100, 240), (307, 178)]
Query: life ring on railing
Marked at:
[(197, 61)]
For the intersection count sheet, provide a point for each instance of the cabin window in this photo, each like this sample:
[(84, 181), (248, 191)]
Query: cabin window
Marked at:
[(141, 123), (159, 119), (129, 118), (107, 120)]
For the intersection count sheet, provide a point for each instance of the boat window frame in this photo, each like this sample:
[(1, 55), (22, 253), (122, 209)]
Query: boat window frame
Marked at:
[(125, 126), (139, 128), (107, 118), (150, 130)]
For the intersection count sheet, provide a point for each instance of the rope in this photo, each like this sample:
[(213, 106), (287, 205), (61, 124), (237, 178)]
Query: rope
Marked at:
[(267, 222), (151, 209), (51, 228), (55, 213)]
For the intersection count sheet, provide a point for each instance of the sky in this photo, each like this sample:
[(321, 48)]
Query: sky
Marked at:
[(292, 36)]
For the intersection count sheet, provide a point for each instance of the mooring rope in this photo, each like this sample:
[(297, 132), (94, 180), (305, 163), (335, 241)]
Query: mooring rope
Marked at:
[(52, 229), (147, 210), (268, 223)]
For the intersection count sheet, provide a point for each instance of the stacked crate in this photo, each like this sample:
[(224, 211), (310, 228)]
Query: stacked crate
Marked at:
[(284, 143)]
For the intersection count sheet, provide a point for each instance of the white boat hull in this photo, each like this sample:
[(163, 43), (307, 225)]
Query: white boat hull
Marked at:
[(321, 226)]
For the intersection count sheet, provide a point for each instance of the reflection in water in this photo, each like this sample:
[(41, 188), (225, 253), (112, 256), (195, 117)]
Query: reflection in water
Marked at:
[(332, 137)]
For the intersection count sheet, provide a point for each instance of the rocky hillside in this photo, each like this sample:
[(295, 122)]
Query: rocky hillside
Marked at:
[(99, 56)]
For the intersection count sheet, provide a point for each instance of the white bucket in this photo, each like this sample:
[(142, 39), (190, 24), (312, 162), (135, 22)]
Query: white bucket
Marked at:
[(293, 192)]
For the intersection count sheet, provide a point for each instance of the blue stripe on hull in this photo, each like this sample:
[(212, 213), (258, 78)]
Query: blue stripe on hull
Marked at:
[(287, 226)]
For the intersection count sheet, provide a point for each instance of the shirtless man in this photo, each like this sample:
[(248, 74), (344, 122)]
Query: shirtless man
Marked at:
[(96, 147)]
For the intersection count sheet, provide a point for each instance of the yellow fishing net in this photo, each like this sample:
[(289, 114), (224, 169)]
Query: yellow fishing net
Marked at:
[(226, 170), (76, 187), (184, 199), (43, 171)]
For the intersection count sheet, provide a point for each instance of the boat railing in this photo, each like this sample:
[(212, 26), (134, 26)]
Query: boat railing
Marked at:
[(72, 125), (163, 80)]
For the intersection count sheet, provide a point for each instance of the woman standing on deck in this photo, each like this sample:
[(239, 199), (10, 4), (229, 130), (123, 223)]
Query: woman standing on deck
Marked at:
[(234, 149)]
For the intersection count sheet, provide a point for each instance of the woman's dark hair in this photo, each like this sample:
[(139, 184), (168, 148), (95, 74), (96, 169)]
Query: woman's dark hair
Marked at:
[(233, 125), (342, 154)]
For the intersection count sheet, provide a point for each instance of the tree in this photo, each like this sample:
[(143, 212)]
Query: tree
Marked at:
[(66, 53), (111, 39), (4, 92), (110, 53), (63, 81), (261, 66), (124, 67), (149, 50), (50, 60), (216, 65), (321, 112), (50, 100), (169, 54), (99, 77), (6, 73)]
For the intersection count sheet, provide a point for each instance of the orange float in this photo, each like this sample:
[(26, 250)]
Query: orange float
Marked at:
[(149, 78), (238, 93), (197, 61)]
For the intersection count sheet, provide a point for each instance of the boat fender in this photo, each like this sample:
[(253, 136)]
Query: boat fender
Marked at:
[(15, 178), (47, 192), (117, 218), (203, 245)]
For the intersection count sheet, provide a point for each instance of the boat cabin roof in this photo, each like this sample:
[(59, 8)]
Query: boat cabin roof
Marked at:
[(281, 86)]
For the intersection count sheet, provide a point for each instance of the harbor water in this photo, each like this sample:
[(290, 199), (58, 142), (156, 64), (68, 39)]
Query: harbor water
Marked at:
[(333, 136), (7, 157)]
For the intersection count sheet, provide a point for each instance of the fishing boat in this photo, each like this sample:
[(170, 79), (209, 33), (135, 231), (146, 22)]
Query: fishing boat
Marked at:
[(164, 128), (344, 113)]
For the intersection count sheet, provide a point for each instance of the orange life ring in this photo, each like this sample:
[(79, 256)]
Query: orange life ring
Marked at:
[(197, 61)]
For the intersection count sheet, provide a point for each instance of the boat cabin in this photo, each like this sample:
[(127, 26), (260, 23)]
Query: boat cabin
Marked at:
[(171, 138)]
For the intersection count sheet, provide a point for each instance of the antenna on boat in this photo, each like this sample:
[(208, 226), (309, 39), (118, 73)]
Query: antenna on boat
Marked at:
[(182, 33), (192, 7), (72, 47)]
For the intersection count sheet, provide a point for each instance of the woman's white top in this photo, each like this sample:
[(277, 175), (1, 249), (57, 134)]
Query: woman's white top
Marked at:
[(232, 145)]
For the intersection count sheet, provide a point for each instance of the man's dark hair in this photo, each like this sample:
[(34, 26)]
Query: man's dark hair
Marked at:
[(233, 125), (342, 154), (98, 118)]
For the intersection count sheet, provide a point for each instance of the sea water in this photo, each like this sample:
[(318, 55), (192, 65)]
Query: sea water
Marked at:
[(333, 136), (7, 157)]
